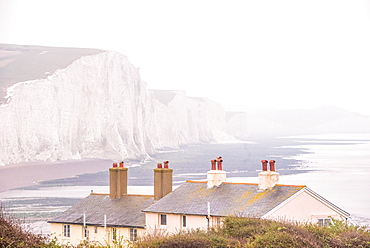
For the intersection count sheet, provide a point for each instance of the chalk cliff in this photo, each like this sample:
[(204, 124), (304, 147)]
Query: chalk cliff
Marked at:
[(98, 107)]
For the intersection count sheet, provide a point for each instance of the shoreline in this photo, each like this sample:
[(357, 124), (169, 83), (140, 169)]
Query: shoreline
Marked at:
[(20, 175)]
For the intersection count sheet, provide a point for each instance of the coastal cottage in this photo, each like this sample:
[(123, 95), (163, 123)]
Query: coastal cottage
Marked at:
[(108, 218), (203, 204), (194, 204)]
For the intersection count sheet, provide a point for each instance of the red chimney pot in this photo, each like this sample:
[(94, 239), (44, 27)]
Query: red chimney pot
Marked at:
[(121, 164), (159, 165), (264, 165), (272, 165), (213, 164), (219, 163), (114, 165), (165, 164)]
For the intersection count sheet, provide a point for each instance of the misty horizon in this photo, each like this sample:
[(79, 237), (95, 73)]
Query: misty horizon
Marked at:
[(243, 55)]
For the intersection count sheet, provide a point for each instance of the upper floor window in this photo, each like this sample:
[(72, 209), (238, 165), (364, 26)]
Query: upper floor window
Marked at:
[(133, 234), (184, 221), (67, 230), (163, 219)]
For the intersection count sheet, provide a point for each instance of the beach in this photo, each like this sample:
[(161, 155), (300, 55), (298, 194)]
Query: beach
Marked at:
[(27, 174)]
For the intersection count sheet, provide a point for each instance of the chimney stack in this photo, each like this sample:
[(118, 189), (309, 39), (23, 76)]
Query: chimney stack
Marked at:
[(117, 180), (267, 179), (162, 180), (216, 176)]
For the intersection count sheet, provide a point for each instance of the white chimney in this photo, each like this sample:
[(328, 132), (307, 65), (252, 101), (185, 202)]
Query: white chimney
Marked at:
[(267, 179), (216, 175)]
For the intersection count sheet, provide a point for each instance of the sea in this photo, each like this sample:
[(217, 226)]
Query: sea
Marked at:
[(336, 166)]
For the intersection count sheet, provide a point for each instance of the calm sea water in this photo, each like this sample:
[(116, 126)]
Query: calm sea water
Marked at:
[(335, 166)]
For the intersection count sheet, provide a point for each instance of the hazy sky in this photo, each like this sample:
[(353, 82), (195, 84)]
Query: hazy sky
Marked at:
[(242, 54)]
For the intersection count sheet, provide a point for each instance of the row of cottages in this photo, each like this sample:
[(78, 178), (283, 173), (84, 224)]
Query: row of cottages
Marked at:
[(104, 218)]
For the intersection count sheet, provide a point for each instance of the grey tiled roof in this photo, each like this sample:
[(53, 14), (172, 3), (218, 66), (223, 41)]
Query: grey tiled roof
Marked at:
[(125, 211), (227, 199)]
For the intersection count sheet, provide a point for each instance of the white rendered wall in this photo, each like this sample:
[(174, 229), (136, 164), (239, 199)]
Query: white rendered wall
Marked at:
[(304, 208), (174, 223), (103, 236)]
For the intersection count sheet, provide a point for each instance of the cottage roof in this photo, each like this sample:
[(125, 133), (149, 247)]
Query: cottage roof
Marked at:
[(227, 199), (125, 211)]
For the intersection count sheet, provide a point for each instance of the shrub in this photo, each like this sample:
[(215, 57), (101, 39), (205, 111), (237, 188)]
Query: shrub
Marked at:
[(350, 239), (242, 228), (12, 234), (289, 236)]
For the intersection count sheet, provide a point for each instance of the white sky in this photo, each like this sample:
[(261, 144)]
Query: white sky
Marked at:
[(242, 54)]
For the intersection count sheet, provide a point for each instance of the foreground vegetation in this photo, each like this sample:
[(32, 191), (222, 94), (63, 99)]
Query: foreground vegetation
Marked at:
[(250, 232), (12, 234), (236, 232)]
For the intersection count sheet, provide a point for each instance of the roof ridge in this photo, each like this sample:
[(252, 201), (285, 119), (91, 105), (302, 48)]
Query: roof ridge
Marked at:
[(123, 195), (291, 185), (278, 184), (193, 181), (139, 195), (240, 183)]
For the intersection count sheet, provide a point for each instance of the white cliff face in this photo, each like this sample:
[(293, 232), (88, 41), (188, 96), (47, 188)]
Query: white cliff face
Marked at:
[(98, 107)]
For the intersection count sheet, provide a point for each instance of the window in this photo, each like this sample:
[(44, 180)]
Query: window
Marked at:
[(95, 229), (163, 219), (114, 233), (217, 221), (86, 232), (133, 234), (66, 230), (184, 221), (324, 222)]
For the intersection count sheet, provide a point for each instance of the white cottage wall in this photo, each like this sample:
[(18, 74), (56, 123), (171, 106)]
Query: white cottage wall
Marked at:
[(303, 208)]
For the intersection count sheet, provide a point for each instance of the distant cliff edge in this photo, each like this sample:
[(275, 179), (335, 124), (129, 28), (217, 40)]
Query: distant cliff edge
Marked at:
[(75, 103), (70, 103)]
